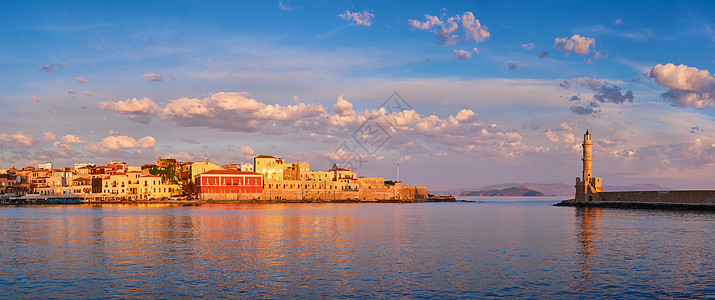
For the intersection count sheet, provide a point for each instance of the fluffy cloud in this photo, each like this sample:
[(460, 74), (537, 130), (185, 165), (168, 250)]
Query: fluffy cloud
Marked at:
[(576, 44), (18, 139), (528, 46), (543, 54), (466, 115), (80, 79), (37, 100), (234, 111), (446, 30), (358, 18), (462, 54), (343, 108), (689, 86), (429, 22), (144, 106), (49, 136), (120, 142), (71, 139)]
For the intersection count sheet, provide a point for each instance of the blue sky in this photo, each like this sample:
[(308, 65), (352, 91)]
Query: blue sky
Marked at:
[(226, 80)]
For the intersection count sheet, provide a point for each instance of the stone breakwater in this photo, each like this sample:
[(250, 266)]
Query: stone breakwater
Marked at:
[(697, 199)]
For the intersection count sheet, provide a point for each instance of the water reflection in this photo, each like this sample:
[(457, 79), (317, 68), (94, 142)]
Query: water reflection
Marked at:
[(589, 231)]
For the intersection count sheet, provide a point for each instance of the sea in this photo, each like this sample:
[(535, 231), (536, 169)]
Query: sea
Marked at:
[(494, 247)]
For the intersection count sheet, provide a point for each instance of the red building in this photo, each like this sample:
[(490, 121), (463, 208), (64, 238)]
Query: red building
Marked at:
[(221, 184)]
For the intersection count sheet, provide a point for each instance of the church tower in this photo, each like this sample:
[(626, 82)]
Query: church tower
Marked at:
[(588, 188)]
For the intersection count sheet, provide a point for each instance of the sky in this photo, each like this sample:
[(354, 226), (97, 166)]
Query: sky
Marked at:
[(461, 94)]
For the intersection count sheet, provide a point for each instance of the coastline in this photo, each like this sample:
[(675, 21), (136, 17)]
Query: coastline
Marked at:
[(209, 202), (640, 205)]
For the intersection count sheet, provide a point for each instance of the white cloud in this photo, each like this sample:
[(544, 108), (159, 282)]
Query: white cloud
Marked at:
[(358, 18), (71, 139), (473, 29), (446, 30), (49, 136), (689, 86), (577, 44), (80, 79), (429, 22), (619, 22), (144, 106), (284, 6), (528, 46), (120, 142), (37, 100), (20, 138), (343, 108), (462, 54), (466, 115)]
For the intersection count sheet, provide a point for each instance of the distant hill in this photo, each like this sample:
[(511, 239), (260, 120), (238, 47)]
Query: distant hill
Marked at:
[(510, 191), (559, 189)]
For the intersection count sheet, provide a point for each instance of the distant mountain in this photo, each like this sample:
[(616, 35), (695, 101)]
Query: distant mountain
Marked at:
[(562, 189), (510, 191), (635, 187)]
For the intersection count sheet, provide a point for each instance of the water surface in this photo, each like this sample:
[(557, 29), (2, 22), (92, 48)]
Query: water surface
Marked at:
[(496, 247)]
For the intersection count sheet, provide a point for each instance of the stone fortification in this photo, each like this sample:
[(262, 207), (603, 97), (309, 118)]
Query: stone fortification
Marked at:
[(661, 197)]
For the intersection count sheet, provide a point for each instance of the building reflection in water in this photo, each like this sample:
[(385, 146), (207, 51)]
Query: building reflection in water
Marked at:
[(588, 231)]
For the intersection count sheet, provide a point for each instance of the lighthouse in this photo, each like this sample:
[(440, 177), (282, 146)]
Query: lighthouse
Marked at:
[(588, 188)]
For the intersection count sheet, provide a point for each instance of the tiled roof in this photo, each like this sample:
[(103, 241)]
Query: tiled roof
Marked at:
[(265, 156)]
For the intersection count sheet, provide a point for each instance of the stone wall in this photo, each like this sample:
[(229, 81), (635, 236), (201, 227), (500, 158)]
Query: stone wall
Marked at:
[(680, 197)]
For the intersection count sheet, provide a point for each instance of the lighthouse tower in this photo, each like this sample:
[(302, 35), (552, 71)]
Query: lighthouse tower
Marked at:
[(588, 188)]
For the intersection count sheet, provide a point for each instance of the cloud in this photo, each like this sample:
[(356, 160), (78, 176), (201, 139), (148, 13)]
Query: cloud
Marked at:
[(429, 22), (473, 29), (80, 79), (603, 92), (688, 86), (247, 150), (343, 108), (585, 109), (18, 139), (51, 67), (462, 55), (694, 129), (49, 136), (285, 6), (528, 46), (466, 115), (446, 30), (576, 44), (511, 66), (190, 141), (613, 94), (475, 50), (233, 111), (358, 18), (120, 142), (543, 54), (37, 100), (47, 68), (157, 77), (619, 22), (71, 139)]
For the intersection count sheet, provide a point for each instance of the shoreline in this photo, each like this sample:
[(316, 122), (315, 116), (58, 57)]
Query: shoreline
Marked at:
[(209, 202), (639, 205)]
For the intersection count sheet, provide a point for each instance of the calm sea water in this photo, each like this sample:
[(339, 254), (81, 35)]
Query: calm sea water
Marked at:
[(497, 247)]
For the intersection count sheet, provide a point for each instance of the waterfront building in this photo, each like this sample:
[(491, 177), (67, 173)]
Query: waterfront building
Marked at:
[(228, 185), (82, 185), (200, 167), (246, 167), (270, 167), (46, 166), (154, 187)]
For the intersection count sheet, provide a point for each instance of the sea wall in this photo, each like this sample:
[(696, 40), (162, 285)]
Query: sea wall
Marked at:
[(675, 197)]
